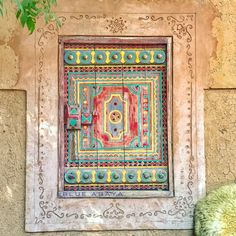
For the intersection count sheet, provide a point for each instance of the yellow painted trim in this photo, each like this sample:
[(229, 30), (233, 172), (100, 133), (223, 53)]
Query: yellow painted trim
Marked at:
[(123, 176), (108, 176), (78, 176), (152, 57), (125, 117), (122, 184), (77, 57), (107, 57), (139, 173), (153, 175), (118, 65), (137, 57), (93, 176), (115, 49), (122, 60), (93, 57)]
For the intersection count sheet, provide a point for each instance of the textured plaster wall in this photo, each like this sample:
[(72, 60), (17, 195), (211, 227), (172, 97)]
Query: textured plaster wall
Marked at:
[(220, 137), (220, 114)]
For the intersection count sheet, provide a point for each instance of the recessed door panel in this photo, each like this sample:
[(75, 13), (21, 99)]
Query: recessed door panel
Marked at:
[(117, 113)]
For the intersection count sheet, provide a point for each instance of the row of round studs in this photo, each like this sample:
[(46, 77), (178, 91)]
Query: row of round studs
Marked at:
[(70, 56), (116, 176)]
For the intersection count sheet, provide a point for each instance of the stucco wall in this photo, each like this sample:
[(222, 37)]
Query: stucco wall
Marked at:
[(220, 110)]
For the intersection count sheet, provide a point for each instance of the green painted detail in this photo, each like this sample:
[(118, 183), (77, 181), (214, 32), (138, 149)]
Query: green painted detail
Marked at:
[(115, 57), (70, 57), (135, 143), (144, 60), (156, 56), (70, 177), (146, 176), (161, 176), (86, 177), (87, 120), (73, 111), (73, 122), (131, 176), (134, 89), (98, 90), (96, 144), (116, 176), (160, 128), (100, 57), (85, 57), (101, 176), (130, 57)]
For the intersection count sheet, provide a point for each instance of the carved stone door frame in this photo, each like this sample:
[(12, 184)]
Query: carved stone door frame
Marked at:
[(45, 211), (110, 41)]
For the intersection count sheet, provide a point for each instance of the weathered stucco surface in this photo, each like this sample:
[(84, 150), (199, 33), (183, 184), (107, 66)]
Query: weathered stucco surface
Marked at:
[(222, 70), (8, 77), (220, 110), (220, 138)]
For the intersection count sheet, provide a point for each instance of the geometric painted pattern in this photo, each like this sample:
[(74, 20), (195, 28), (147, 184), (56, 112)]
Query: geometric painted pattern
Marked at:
[(117, 137)]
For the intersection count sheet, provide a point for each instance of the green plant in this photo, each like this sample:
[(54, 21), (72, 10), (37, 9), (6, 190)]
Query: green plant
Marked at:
[(28, 11), (216, 213)]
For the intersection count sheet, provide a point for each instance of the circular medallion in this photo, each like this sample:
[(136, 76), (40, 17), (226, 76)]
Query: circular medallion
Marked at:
[(115, 116)]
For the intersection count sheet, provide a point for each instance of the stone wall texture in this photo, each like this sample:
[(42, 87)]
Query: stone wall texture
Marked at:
[(220, 113)]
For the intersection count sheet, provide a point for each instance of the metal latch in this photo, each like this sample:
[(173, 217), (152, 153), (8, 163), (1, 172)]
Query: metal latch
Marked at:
[(74, 118)]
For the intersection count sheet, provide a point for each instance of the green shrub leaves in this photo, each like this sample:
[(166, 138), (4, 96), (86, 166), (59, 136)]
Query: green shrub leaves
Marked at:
[(29, 10)]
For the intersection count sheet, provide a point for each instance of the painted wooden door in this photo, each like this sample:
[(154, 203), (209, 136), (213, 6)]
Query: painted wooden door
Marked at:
[(116, 96)]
